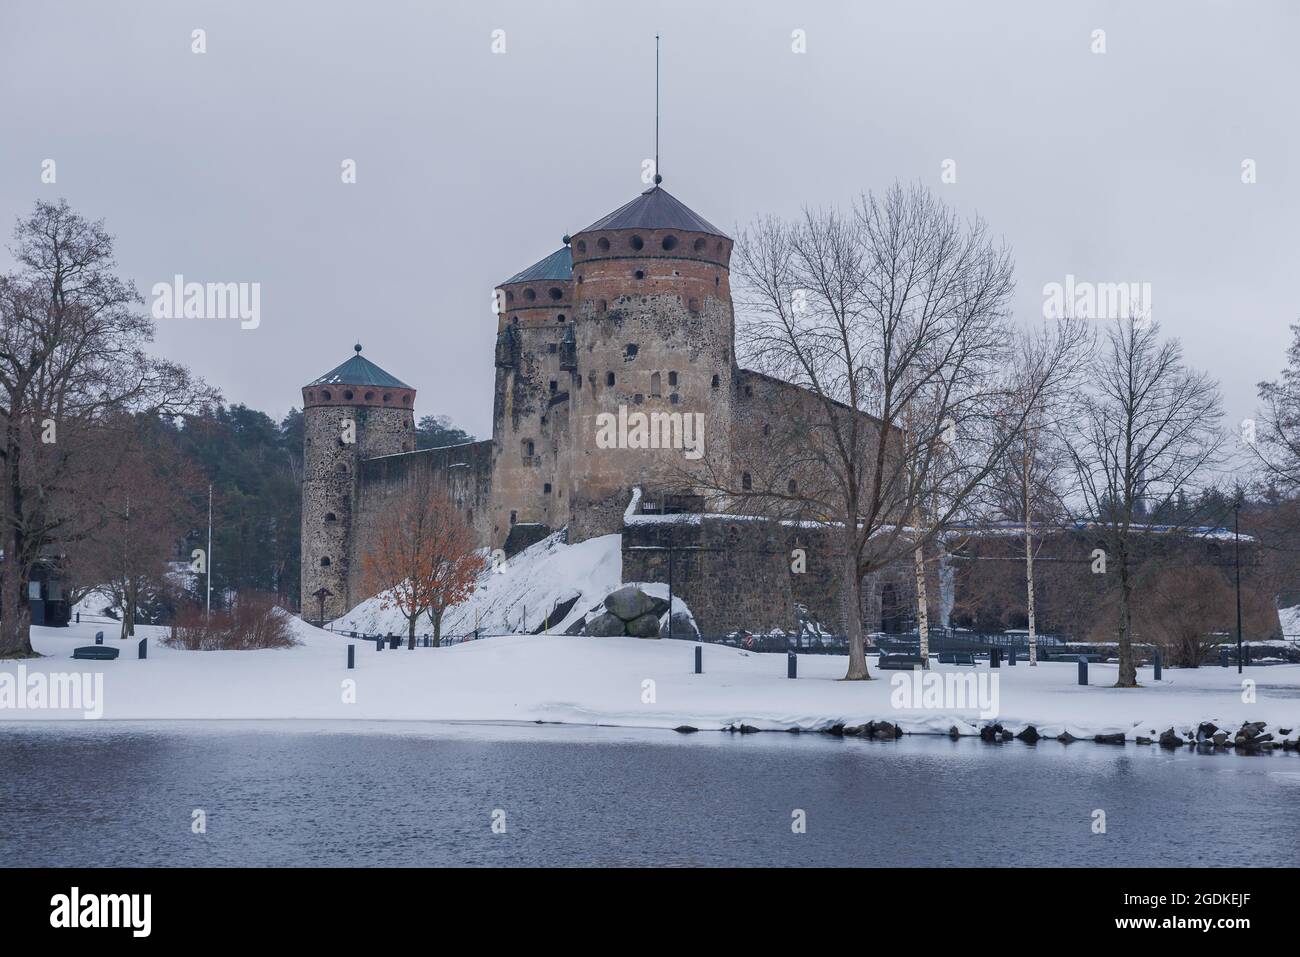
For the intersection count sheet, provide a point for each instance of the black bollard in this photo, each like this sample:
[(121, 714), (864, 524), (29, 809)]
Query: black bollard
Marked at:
[(379, 643), (99, 637), (699, 659), (791, 665), (995, 657), (1223, 657), (1083, 670), (143, 649), (78, 618), (1011, 656), (352, 657), (1245, 650), (1157, 661)]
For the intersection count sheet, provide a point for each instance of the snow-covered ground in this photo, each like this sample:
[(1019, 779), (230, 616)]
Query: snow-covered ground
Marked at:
[(627, 682)]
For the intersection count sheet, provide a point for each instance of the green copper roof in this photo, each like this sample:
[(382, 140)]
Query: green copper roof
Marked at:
[(656, 208), (360, 371), (557, 266)]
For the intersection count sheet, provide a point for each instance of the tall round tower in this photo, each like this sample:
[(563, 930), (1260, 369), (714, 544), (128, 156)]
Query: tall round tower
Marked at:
[(354, 412), (655, 334), (534, 379)]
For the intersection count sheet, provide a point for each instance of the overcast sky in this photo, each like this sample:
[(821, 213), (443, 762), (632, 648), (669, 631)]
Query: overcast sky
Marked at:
[(225, 166)]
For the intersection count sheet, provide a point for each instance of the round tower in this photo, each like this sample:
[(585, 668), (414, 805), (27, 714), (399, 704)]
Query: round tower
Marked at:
[(655, 334), (352, 413), (535, 375)]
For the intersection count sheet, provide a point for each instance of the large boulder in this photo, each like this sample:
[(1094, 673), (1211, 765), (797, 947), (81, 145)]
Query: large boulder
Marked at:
[(629, 602), (647, 626), (683, 627), (605, 626)]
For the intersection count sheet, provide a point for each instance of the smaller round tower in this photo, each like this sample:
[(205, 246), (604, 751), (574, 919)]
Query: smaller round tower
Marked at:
[(354, 412)]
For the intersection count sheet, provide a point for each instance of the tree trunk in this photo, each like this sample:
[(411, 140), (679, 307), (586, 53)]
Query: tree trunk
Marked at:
[(1029, 590), (853, 620), (437, 628), (1127, 670), (922, 604), (410, 632), (15, 614)]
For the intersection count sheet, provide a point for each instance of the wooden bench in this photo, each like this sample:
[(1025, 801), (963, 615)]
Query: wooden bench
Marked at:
[(96, 652), (899, 662), (956, 657)]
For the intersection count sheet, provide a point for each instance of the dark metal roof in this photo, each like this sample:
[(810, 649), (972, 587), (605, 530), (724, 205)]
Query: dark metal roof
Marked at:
[(656, 208), (557, 266), (360, 371)]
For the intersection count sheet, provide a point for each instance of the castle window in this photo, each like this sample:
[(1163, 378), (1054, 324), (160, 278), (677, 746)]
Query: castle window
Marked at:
[(582, 245), (330, 517), (791, 486), (406, 400), (767, 429), (348, 395), (546, 489), (325, 395), (699, 245), (514, 320), (555, 387), (719, 248), (746, 482), (325, 562), (555, 292), (513, 518), (560, 317), (530, 295), (638, 399), (601, 305), (629, 352), (674, 398), (510, 297), (551, 346), (693, 305), (717, 280), (639, 274), (609, 378), (715, 382), (528, 448), (670, 242), (388, 396), (579, 279), (672, 378), (637, 243), (369, 396), (654, 384), (602, 244)]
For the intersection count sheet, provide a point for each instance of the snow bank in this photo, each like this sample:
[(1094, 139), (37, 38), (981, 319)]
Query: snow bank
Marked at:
[(521, 596), (604, 681)]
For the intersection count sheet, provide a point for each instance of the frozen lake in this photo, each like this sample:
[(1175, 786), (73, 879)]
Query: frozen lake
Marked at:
[(387, 793)]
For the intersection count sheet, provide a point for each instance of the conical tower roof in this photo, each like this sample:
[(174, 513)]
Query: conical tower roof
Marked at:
[(360, 371), (656, 208), (558, 266)]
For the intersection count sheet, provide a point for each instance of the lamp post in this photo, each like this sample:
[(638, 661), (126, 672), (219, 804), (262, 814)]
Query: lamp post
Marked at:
[(1236, 560)]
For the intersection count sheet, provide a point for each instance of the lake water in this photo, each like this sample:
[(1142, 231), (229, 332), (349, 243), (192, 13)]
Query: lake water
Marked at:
[(119, 794)]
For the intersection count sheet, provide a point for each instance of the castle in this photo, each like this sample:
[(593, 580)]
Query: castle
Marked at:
[(615, 371)]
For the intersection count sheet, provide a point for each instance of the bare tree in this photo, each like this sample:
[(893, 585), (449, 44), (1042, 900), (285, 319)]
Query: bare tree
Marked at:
[(1029, 482), (422, 558), (71, 358), (892, 321), (1146, 428), (1275, 440)]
